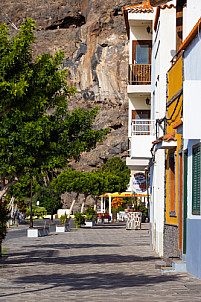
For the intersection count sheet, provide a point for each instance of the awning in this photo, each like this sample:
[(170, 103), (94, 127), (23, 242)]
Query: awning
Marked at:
[(123, 194)]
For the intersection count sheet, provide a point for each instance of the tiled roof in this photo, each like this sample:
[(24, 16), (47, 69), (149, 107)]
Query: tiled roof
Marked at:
[(176, 124), (144, 7), (166, 138), (167, 6)]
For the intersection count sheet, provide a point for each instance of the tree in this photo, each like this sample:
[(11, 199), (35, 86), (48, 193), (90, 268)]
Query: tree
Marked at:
[(37, 133), (112, 177), (116, 167)]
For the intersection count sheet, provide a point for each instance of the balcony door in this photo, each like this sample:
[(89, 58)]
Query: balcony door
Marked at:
[(141, 52), (140, 122), (141, 62)]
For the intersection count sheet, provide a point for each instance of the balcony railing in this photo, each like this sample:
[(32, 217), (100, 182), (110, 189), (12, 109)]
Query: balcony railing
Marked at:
[(142, 127), (139, 74)]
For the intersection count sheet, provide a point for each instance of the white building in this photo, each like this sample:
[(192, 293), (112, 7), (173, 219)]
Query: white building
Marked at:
[(164, 48), (141, 128)]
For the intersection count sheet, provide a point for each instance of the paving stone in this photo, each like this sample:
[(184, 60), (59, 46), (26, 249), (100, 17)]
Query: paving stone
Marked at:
[(105, 263)]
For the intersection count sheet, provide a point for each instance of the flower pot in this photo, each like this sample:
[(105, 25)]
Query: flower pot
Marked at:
[(61, 228), (89, 223)]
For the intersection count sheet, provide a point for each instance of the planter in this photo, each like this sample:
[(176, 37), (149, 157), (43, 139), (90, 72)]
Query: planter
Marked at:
[(143, 218), (90, 223), (38, 231), (61, 228)]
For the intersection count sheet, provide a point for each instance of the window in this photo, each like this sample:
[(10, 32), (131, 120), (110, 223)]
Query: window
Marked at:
[(196, 181), (172, 184)]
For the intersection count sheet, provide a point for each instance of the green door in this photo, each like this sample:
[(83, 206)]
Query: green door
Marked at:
[(185, 199)]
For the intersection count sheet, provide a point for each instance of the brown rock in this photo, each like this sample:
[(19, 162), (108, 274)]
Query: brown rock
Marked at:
[(93, 37)]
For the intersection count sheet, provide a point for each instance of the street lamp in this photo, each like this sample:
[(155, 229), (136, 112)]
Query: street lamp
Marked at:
[(31, 215), (52, 199)]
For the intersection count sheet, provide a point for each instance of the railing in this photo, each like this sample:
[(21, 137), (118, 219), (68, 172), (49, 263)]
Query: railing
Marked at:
[(139, 74), (142, 127)]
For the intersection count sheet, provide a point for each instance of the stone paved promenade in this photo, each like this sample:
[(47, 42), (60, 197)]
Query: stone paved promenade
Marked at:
[(106, 263)]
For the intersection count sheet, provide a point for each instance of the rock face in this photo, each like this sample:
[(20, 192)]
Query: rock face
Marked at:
[(93, 36)]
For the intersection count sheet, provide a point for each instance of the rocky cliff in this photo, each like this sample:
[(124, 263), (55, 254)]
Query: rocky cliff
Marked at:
[(93, 36)]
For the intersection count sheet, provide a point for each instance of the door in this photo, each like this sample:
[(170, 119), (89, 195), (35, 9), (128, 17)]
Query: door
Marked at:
[(141, 127), (180, 200), (185, 200), (141, 60), (141, 52)]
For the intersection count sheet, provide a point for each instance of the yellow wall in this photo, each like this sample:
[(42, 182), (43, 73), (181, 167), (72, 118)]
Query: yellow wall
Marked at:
[(174, 86)]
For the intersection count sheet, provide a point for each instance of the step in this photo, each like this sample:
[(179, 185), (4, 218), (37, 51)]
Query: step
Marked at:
[(167, 269), (179, 266)]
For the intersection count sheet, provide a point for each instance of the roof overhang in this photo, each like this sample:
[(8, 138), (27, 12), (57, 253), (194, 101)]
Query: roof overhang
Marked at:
[(166, 145)]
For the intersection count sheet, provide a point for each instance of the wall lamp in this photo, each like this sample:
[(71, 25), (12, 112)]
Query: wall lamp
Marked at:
[(149, 30), (147, 101)]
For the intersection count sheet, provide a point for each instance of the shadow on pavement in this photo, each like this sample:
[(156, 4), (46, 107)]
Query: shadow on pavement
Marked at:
[(90, 281), (51, 257), (71, 246)]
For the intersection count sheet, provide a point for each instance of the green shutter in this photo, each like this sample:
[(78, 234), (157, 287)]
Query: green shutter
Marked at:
[(185, 200), (196, 181)]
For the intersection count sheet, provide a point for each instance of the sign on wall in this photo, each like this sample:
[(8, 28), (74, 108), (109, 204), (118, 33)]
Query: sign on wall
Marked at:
[(138, 183)]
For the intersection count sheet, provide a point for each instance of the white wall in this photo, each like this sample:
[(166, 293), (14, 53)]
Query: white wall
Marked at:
[(192, 90), (141, 146), (163, 49), (192, 109), (192, 57), (193, 14)]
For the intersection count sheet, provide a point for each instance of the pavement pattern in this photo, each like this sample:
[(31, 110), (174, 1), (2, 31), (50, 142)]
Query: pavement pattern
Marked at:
[(104, 263)]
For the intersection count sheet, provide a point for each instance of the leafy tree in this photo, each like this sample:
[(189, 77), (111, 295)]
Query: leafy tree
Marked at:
[(21, 191), (118, 168), (4, 216), (111, 177), (48, 197), (37, 133)]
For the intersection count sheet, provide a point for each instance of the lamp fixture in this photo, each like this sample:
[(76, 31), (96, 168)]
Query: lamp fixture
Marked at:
[(147, 101), (149, 30)]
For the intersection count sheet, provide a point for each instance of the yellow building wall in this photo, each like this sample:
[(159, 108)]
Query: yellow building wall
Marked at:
[(174, 112)]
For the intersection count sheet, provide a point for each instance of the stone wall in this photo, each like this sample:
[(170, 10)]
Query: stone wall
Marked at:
[(170, 243)]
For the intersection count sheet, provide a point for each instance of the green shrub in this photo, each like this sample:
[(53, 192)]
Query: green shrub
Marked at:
[(4, 217), (37, 211), (91, 214), (63, 218), (79, 219), (144, 210)]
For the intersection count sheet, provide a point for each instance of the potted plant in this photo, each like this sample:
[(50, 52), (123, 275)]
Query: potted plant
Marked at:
[(79, 219), (64, 225), (144, 211), (116, 206), (91, 217)]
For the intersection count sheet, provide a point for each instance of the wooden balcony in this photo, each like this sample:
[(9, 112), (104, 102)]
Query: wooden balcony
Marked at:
[(139, 74)]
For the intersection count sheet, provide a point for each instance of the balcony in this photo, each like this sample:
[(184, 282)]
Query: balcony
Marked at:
[(142, 127), (142, 136), (139, 74)]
